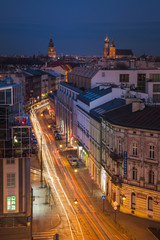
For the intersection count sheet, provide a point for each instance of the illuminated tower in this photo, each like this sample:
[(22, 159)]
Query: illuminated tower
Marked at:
[(51, 49), (112, 50), (106, 47)]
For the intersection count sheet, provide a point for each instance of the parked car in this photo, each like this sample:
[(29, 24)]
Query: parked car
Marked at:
[(69, 157), (58, 136), (74, 162)]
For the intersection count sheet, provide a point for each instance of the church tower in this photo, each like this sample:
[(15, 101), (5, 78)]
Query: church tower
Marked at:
[(106, 47), (51, 49), (112, 50)]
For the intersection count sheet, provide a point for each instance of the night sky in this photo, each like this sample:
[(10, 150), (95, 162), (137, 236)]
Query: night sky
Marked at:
[(79, 26)]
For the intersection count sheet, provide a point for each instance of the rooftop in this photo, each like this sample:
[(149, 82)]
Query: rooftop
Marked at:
[(83, 72), (93, 94), (148, 118), (70, 86), (106, 107)]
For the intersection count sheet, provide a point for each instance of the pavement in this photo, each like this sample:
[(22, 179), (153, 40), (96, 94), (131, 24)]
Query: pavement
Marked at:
[(45, 215)]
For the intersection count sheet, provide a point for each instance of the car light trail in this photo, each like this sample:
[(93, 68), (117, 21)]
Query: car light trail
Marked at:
[(50, 169)]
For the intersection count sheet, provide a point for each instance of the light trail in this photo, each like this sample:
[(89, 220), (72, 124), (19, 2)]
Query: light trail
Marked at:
[(72, 183), (47, 159)]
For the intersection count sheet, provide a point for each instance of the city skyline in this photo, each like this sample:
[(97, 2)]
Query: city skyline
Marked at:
[(79, 28)]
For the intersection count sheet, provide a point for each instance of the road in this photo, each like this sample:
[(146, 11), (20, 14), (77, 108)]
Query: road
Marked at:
[(83, 220)]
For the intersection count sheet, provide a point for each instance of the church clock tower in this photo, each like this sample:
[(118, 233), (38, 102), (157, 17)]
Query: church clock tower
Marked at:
[(51, 49)]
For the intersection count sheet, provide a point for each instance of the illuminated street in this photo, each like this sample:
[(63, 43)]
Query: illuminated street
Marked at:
[(78, 221)]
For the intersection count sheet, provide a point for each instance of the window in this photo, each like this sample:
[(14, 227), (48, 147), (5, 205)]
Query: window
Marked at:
[(119, 147), (155, 77), (156, 98), (134, 149), (151, 152), (156, 87), (11, 203), (133, 200), (150, 203), (134, 173), (141, 78), (10, 161), (10, 180), (151, 177), (124, 78), (103, 74)]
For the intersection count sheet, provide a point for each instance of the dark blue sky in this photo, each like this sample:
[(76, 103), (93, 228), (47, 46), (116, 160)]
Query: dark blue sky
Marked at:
[(79, 26)]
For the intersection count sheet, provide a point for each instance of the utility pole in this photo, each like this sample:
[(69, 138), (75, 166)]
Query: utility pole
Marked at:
[(31, 211), (41, 164), (66, 131)]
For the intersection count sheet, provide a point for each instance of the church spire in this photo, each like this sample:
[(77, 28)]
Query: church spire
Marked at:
[(106, 39)]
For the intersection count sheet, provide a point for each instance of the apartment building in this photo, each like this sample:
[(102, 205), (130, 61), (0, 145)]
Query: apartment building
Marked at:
[(131, 158)]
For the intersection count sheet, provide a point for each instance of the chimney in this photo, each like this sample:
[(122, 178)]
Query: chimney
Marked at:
[(136, 106)]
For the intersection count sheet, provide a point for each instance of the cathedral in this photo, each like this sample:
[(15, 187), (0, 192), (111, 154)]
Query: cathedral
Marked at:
[(51, 49), (110, 51)]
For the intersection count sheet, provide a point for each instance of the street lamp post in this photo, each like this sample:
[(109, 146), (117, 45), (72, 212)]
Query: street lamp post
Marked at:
[(92, 184), (41, 164), (66, 132)]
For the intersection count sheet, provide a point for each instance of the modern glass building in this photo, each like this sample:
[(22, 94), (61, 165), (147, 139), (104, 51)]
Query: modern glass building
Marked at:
[(15, 153)]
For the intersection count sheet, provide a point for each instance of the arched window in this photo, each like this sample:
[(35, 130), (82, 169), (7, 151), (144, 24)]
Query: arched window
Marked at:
[(135, 149), (150, 203), (151, 177), (134, 173), (119, 146), (133, 200), (151, 151)]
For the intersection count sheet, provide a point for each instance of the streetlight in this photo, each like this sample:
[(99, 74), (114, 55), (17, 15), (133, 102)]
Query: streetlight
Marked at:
[(75, 170), (92, 183), (115, 209), (41, 164), (75, 201)]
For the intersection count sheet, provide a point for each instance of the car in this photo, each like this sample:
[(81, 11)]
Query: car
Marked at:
[(56, 132), (69, 157), (58, 136), (74, 162)]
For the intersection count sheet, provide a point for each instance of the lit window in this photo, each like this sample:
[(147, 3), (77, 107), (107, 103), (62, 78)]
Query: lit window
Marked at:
[(10, 180), (11, 203), (134, 173), (151, 152), (134, 149), (150, 203), (151, 177)]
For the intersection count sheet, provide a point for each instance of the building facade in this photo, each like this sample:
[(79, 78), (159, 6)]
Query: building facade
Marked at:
[(15, 153), (131, 159), (110, 51)]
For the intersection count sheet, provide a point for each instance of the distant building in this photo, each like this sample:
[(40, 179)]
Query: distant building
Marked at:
[(110, 51), (51, 49)]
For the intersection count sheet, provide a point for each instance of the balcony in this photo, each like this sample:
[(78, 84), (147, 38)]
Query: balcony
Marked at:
[(115, 156), (117, 180)]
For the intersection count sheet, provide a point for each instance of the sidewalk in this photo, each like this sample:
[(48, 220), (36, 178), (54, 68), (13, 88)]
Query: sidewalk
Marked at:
[(45, 215)]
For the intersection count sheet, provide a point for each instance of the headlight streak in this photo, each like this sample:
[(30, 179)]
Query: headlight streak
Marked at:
[(47, 159), (75, 189)]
